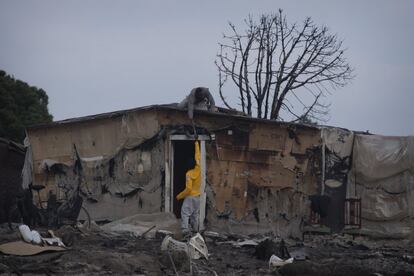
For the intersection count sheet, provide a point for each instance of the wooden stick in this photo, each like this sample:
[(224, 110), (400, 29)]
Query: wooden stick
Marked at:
[(172, 262), (149, 229)]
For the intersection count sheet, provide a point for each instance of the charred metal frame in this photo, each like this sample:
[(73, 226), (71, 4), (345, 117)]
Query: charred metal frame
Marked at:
[(353, 212)]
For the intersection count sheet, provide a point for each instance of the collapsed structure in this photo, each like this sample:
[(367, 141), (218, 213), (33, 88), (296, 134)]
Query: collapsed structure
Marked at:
[(258, 175)]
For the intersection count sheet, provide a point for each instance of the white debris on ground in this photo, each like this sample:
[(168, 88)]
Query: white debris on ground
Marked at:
[(144, 224)]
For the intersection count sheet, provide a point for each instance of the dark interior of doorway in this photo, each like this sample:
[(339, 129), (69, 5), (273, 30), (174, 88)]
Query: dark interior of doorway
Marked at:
[(183, 150)]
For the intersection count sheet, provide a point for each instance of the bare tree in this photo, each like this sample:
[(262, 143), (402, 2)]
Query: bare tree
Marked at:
[(278, 66)]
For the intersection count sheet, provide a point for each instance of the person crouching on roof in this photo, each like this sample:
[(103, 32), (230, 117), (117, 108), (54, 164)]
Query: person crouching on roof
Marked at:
[(199, 98), (190, 209)]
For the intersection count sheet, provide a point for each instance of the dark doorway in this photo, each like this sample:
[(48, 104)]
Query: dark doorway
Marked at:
[(183, 150)]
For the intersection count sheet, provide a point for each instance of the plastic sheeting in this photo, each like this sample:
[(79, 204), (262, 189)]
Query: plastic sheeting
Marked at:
[(379, 157), (382, 164), (382, 176), (381, 206), (27, 177)]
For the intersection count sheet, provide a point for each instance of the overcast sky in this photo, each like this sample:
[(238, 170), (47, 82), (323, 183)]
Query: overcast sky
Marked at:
[(100, 56)]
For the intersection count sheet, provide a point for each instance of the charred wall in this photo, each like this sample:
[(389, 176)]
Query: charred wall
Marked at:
[(121, 173), (259, 174), (264, 177)]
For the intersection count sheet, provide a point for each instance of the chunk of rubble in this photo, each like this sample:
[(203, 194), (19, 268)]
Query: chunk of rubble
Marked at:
[(265, 249), (300, 254), (245, 243), (161, 234), (215, 236), (276, 262), (140, 224)]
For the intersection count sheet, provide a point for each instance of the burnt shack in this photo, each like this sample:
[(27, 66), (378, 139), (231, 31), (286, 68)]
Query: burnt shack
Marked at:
[(258, 176)]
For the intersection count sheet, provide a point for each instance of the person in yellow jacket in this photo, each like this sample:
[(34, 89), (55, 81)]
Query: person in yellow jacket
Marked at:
[(190, 209)]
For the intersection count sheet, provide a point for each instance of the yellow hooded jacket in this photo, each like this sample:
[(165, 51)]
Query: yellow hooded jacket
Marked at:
[(192, 177)]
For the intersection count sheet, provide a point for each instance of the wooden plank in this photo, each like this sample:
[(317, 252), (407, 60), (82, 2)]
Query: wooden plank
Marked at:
[(167, 170), (203, 185)]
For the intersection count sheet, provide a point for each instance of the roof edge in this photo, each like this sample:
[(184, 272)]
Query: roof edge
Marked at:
[(223, 113)]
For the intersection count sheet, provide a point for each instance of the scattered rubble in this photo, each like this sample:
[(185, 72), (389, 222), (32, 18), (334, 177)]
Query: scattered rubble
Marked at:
[(94, 251)]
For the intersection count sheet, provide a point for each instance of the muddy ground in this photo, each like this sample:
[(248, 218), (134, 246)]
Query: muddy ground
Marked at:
[(95, 252)]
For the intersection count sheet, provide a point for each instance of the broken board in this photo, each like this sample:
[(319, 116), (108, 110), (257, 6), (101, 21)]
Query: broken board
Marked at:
[(21, 248)]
